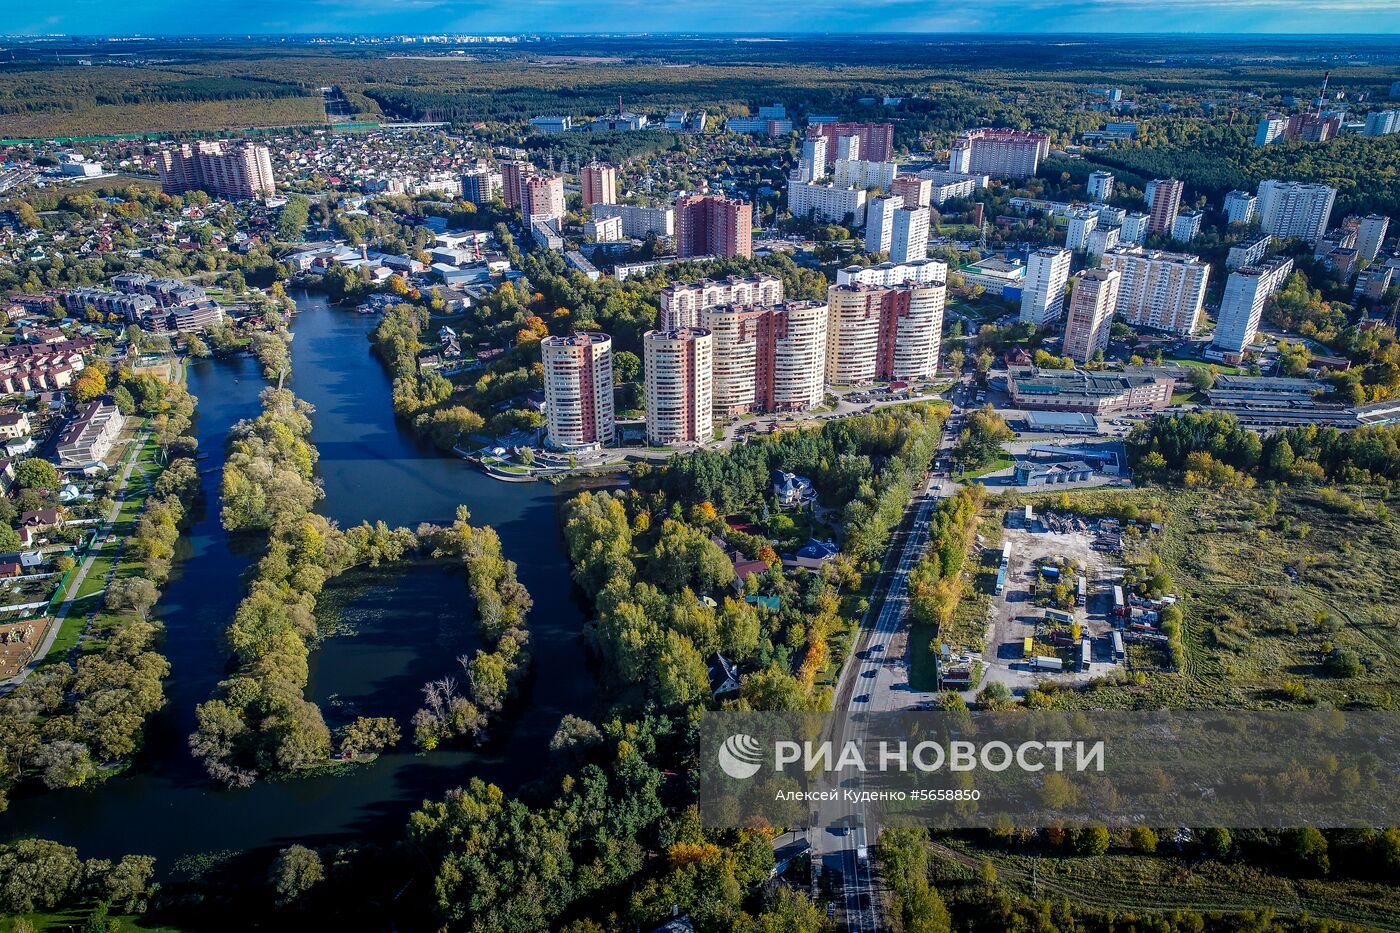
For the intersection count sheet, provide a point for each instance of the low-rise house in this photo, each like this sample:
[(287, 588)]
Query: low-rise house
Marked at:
[(791, 489), (14, 424), (813, 555)]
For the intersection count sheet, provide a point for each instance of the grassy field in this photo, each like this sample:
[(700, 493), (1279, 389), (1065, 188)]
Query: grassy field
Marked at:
[(1123, 881), (1271, 582)]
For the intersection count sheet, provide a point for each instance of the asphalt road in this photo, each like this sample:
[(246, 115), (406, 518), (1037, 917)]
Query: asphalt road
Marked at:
[(876, 679)]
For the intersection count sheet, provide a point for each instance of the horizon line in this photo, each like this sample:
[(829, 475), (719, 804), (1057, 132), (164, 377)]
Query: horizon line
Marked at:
[(845, 34)]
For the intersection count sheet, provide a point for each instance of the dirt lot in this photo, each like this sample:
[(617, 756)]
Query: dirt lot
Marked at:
[(1015, 613)]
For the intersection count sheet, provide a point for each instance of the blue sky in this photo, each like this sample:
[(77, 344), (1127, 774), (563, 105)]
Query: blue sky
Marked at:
[(169, 17)]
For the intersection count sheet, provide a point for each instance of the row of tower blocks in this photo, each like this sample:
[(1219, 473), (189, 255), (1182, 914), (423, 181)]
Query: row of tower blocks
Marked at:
[(725, 348)]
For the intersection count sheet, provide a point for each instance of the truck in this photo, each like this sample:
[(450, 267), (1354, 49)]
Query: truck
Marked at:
[(1118, 652), (1083, 596), (862, 853), (1086, 654), (1043, 662), (1119, 606), (1057, 617)]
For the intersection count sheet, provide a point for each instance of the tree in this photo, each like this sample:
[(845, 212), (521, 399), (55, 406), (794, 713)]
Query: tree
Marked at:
[(1091, 840), (36, 874), (1201, 377), (1217, 842), (135, 593), (126, 404), (367, 735), (37, 474), (982, 437), (626, 367), (197, 347), (1143, 839), (91, 383), (9, 539), (1308, 847), (294, 872)]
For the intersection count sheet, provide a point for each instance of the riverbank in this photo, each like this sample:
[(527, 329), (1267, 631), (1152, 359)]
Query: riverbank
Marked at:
[(371, 468)]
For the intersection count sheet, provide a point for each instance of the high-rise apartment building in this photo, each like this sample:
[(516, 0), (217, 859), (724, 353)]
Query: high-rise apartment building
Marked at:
[(513, 175), (479, 185), (864, 173), (847, 147), (767, 358), (243, 170), (1164, 196), (679, 381), (1101, 240), (811, 165), (1382, 123), (598, 181), (1240, 207), (916, 191), (879, 222), (1313, 127), (918, 272), (1163, 291), (1271, 129), (682, 304), (826, 202), (1092, 300), (876, 139), (1370, 236), (1101, 186), (542, 198), (1187, 226), (1082, 222), (1043, 291), (713, 225), (1295, 209), (878, 333), (1242, 306), (1133, 229), (1003, 153), (640, 221), (910, 240), (578, 391)]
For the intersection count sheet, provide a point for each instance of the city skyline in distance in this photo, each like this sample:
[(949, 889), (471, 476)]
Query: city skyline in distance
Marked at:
[(711, 17)]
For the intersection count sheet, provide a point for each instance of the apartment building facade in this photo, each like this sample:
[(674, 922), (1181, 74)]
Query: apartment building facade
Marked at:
[(578, 391), (679, 367)]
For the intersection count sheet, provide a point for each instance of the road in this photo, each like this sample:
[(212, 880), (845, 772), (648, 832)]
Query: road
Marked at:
[(875, 679)]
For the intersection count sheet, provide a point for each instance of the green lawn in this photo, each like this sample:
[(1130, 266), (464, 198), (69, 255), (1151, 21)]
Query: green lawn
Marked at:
[(1002, 462)]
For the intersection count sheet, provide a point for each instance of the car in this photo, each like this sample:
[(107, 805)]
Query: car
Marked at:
[(863, 698)]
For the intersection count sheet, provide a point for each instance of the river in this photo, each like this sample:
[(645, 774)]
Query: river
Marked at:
[(399, 629)]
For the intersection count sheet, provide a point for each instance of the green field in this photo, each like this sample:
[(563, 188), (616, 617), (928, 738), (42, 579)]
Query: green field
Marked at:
[(1123, 881)]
